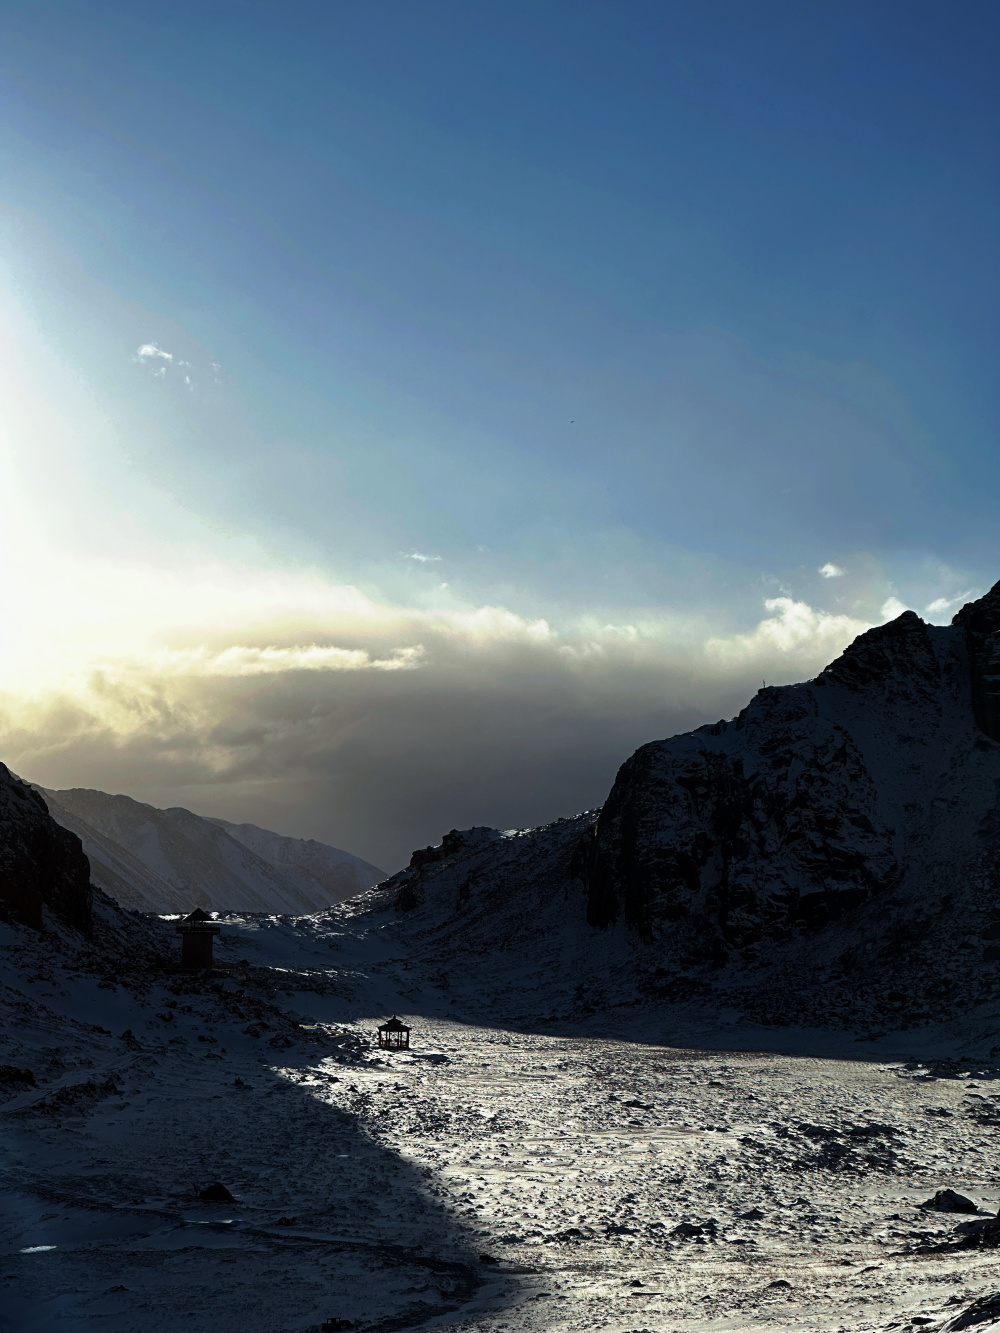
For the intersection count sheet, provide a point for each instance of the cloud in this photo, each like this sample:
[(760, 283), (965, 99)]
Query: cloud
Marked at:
[(240, 660), (315, 708), (423, 559), (151, 354), (893, 607), (831, 571), (793, 632), (943, 606)]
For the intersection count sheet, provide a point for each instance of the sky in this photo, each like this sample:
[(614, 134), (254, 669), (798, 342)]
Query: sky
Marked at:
[(408, 410)]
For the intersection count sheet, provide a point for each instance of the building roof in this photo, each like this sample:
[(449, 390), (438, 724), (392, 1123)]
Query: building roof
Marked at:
[(393, 1025)]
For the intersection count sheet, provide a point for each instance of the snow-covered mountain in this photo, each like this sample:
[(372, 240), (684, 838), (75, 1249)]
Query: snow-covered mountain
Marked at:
[(831, 854), (328, 873), (173, 861)]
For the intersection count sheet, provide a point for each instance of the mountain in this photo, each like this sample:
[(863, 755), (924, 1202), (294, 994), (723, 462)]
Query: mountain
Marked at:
[(831, 855), (334, 874), (42, 866), (173, 861)]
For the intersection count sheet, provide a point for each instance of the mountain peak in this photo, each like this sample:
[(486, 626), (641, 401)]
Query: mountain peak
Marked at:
[(983, 615)]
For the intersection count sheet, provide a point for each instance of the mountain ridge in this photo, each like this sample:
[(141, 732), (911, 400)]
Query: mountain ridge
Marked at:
[(172, 860)]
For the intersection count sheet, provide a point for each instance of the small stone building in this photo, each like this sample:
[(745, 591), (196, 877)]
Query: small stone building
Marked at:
[(197, 932)]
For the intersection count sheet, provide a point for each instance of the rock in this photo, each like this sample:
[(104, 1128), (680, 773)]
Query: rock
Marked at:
[(981, 622), (985, 1309), (693, 1230), (970, 1228), (216, 1193), (452, 844), (985, 1237), (779, 1284), (10, 1077), (74, 1097), (948, 1201), (41, 865), (754, 1215), (335, 1325)]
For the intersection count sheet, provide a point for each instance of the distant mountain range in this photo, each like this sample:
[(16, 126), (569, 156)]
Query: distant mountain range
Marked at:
[(173, 861)]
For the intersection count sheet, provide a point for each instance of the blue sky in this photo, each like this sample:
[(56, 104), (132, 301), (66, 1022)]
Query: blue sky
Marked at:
[(624, 315)]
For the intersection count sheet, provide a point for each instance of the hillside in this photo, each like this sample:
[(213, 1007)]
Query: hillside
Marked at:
[(154, 860), (43, 871)]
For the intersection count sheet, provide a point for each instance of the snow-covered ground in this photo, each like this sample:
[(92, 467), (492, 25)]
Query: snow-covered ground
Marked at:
[(643, 1169)]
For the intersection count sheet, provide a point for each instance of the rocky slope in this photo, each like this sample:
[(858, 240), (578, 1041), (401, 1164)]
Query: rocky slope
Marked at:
[(42, 866), (326, 872), (154, 860), (829, 855)]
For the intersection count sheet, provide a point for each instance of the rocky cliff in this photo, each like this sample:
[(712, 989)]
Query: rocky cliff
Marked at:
[(831, 853), (42, 866)]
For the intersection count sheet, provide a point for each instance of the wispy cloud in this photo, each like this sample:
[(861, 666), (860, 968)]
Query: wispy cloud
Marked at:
[(160, 361), (421, 558), (831, 571), (945, 605), (240, 660)]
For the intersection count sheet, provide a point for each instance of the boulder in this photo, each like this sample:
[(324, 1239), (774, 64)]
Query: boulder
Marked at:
[(949, 1201)]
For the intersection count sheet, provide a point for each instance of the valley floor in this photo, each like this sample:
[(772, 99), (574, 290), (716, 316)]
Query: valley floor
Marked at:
[(489, 1179)]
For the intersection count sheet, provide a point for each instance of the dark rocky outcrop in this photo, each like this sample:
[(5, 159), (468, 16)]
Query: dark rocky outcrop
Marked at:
[(807, 806), (981, 622), (216, 1193), (42, 866)]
